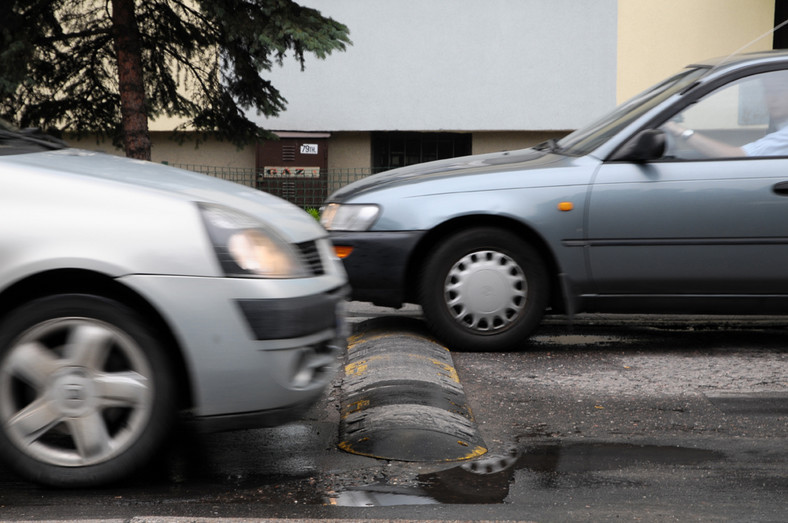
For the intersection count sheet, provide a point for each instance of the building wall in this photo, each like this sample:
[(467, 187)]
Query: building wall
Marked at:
[(492, 142), (165, 149), (456, 65), (656, 39), (211, 152), (349, 150), (511, 72), (93, 143)]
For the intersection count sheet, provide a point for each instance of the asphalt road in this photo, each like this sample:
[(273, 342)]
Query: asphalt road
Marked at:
[(609, 418)]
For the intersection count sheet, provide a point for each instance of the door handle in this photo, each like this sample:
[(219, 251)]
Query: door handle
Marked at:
[(780, 188)]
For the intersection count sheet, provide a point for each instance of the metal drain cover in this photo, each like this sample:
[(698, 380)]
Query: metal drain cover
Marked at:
[(401, 397)]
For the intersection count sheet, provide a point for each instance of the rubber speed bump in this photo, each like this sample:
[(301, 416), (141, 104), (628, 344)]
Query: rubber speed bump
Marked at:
[(402, 399)]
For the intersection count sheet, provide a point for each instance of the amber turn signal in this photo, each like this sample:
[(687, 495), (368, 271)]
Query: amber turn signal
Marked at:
[(342, 251)]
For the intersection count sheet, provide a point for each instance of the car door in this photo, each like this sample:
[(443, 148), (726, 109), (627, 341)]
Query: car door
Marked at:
[(696, 222)]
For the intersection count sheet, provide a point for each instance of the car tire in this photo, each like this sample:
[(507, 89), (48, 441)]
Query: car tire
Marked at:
[(483, 289), (86, 392)]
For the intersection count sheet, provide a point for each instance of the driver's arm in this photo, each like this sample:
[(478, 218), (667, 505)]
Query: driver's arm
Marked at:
[(703, 144)]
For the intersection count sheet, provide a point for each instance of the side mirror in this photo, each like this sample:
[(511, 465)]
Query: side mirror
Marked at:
[(644, 147)]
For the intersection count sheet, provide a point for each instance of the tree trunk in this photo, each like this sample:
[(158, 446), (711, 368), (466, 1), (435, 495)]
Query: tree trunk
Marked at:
[(134, 117)]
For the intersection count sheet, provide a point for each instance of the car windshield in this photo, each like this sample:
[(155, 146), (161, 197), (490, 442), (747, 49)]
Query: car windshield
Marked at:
[(20, 141), (585, 140)]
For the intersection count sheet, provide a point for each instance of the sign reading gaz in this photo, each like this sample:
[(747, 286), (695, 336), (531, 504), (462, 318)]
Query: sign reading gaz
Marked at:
[(291, 172)]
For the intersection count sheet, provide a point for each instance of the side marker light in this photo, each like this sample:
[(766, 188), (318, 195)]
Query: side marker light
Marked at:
[(566, 206), (342, 251)]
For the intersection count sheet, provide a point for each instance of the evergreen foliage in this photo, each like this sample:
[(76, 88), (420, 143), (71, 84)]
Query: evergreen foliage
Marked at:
[(201, 60)]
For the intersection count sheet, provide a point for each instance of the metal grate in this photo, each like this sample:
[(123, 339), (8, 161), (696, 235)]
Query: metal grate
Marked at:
[(288, 191), (288, 153), (304, 192), (310, 255)]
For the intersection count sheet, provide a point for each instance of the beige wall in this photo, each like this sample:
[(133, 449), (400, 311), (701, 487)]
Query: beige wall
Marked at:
[(91, 143), (164, 149), (492, 142), (353, 150), (657, 38), (350, 150), (347, 150), (210, 152)]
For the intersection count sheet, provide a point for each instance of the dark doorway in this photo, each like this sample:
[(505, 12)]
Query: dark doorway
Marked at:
[(398, 149)]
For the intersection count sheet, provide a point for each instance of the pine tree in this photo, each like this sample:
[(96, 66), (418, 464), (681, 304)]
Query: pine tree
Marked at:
[(106, 66)]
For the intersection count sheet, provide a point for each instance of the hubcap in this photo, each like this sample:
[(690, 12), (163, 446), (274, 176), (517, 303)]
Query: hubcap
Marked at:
[(485, 291), (72, 392), (75, 392)]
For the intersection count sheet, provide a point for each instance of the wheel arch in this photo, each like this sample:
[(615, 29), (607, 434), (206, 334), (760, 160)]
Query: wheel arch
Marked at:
[(80, 281), (436, 235)]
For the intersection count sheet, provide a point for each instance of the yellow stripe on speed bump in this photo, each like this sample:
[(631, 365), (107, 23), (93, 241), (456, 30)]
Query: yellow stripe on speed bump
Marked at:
[(402, 398)]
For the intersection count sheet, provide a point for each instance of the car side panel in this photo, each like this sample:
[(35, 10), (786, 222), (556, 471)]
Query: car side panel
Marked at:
[(703, 227), (550, 202), (537, 209)]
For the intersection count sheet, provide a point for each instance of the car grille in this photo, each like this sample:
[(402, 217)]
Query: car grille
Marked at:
[(310, 255)]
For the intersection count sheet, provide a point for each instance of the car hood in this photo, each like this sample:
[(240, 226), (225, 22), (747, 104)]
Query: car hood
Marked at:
[(290, 221), (523, 159)]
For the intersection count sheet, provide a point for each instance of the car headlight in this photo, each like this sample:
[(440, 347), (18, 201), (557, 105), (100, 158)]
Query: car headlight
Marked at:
[(349, 217), (247, 248)]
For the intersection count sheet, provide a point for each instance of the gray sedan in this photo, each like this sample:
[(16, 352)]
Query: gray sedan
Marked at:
[(673, 203), (130, 291)]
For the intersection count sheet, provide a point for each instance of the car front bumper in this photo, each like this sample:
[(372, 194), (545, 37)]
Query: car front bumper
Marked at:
[(258, 352), (377, 266)]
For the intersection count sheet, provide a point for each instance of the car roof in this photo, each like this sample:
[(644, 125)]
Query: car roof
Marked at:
[(737, 60)]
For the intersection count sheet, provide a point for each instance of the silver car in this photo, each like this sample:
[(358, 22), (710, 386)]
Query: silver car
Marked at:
[(676, 202), (130, 291)]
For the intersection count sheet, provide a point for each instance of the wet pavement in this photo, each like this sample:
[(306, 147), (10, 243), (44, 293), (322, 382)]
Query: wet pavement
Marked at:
[(620, 418)]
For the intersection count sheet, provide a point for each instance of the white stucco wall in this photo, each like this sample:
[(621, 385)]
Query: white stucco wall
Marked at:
[(418, 65)]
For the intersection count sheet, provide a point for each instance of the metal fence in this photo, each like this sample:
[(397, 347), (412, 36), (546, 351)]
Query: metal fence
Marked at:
[(303, 189)]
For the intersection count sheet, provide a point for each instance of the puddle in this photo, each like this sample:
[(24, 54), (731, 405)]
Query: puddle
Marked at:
[(485, 481), (579, 339), (488, 480), (382, 496), (590, 457)]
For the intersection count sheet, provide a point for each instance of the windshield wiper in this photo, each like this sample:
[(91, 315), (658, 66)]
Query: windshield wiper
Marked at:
[(34, 135), (550, 145)]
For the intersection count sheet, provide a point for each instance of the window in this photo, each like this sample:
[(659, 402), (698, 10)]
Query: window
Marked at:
[(748, 117), (398, 149)]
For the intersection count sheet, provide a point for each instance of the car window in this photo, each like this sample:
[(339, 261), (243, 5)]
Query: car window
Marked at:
[(585, 140), (746, 118)]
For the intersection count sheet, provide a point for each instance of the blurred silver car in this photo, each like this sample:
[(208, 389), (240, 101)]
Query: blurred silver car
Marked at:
[(674, 202), (131, 290)]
